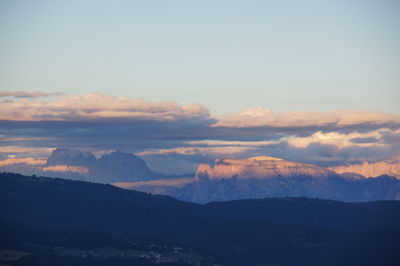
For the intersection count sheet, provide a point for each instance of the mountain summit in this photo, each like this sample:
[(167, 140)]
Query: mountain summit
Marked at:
[(113, 167), (71, 157), (258, 167), (123, 167)]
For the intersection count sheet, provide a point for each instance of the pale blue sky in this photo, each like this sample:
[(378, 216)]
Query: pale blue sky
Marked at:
[(228, 55)]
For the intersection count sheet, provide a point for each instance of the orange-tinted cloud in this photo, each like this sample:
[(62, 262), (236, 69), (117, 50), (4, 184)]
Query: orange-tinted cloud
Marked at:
[(66, 168), (29, 160), (261, 117), (98, 106), (30, 150), (174, 182)]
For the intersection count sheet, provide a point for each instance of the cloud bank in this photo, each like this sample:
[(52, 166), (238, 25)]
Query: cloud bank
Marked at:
[(92, 107), (170, 136), (261, 117)]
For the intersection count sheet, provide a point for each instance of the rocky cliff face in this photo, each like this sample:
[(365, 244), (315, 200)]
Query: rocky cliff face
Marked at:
[(258, 167), (370, 169)]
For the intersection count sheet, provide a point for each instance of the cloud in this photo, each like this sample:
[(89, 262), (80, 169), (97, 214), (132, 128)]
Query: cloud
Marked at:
[(25, 94), (252, 121), (340, 140), (364, 140), (20, 139), (29, 161), (229, 143), (174, 182), (30, 150), (170, 136), (261, 117), (331, 154), (97, 107), (227, 150), (66, 168)]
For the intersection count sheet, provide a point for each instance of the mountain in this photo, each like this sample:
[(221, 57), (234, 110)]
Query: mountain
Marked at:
[(113, 167), (370, 169), (63, 222), (82, 165), (71, 157), (261, 177), (123, 167), (258, 168)]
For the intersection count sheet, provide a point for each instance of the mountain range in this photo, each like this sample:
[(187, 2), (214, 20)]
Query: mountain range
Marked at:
[(50, 221), (260, 177), (119, 166), (224, 179)]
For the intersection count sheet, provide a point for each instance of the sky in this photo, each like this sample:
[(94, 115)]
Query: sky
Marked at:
[(228, 55), (190, 81)]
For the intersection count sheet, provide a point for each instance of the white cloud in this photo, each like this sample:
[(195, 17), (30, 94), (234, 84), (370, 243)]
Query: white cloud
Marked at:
[(98, 106), (260, 117), (340, 140)]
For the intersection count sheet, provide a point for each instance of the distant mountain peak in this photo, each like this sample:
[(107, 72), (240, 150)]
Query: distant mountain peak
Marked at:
[(71, 157), (258, 167), (116, 166)]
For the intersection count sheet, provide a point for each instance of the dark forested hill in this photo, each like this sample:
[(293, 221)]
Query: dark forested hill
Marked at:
[(56, 221)]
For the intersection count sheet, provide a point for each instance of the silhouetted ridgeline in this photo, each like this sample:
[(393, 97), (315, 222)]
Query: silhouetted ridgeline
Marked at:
[(65, 222)]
